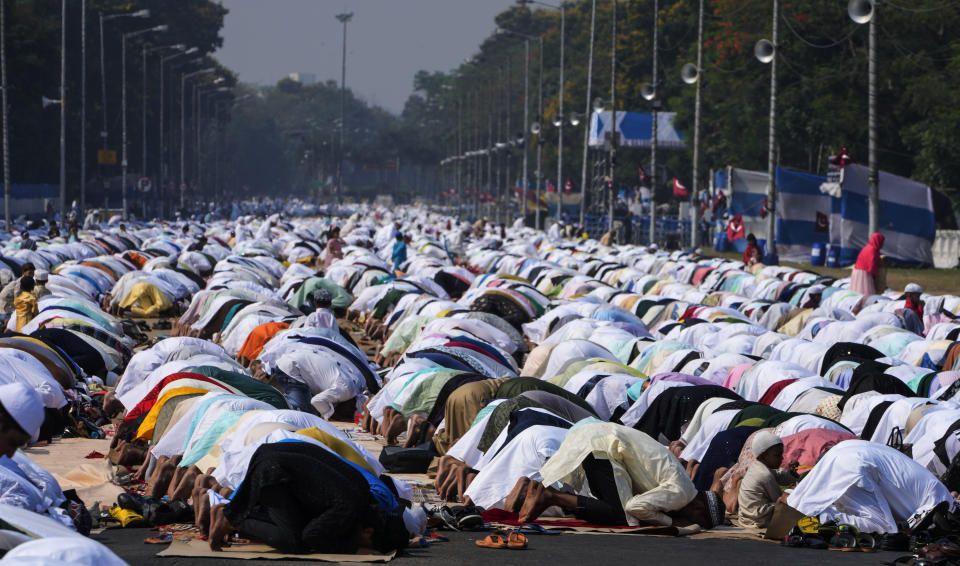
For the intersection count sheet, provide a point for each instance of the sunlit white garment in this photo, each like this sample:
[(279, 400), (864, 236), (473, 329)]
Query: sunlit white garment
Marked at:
[(700, 442), (26, 485), (465, 449), (522, 457), (867, 485), (76, 550), (650, 480)]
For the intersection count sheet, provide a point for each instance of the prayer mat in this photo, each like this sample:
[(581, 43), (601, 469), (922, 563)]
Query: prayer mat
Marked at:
[(201, 549), (499, 518)]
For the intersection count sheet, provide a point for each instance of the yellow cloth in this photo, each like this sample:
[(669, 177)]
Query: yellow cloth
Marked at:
[(650, 480), (26, 306), (338, 445), (145, 431), (146, 300)]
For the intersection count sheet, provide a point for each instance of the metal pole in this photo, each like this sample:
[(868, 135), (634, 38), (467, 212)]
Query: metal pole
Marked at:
[(103, 87), (344, 18), (613, 116), (653, 139), (772, 144), (123, 103), (6, 139), (873, 177), (183, 137), (526, 126), (536, 220), (586, 116), (162, 174), (83, 108), (63, 108), (143, 126), (459, 153), (563, 33), (695, 188)]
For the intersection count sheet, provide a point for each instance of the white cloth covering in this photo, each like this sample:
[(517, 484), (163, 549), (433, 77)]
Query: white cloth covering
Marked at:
[(868, 485)]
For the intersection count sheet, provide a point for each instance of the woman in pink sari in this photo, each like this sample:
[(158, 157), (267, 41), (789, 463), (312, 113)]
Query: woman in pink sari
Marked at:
[(867, 277)]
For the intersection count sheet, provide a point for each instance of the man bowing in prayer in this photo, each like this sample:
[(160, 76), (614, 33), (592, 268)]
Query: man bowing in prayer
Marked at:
[(632, 478)]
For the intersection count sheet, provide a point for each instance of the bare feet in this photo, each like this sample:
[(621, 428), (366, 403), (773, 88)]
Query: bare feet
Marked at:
[(220, 529), (536, 502), (130, 454), (162, 473), (676, 448), (393, 424), (111, 405), (515, 500), (184, 489), (201, 510)]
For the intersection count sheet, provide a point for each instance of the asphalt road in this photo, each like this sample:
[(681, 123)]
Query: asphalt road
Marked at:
[(544, 550)]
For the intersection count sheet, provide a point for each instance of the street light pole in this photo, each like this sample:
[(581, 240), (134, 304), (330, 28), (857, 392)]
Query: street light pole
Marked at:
[(586, 116), (865, 12), (613, 116), (342, 18), (183, 129), (526, 126), (63, 108), (123, 99), (654, 133), (143, 105), (695, 188), (6, 139), (104, 133), (772, 142), (83, 108), (563, 21)]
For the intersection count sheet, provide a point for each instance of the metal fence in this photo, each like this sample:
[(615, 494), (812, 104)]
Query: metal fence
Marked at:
[(671, 233)]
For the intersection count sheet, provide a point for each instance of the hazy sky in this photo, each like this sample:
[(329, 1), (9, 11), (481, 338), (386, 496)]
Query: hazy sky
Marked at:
[(387, 40)]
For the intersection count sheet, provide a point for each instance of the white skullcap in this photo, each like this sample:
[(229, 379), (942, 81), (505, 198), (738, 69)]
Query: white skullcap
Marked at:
[(913, 288), (815, 290), (24, 405), (763, 441), (415, 519), (41, 275)]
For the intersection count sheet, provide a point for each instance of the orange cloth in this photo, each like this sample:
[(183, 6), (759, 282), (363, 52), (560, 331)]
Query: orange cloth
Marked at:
[(259, 337)]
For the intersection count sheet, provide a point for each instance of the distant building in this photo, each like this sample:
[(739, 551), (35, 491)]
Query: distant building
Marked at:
[(306, 79)]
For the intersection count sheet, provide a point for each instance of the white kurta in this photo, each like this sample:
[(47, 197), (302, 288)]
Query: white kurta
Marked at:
[(868, 485)]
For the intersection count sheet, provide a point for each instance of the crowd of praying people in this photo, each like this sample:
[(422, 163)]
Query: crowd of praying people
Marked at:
[(528, 373)]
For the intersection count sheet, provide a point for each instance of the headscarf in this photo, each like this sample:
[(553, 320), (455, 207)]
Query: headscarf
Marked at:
[(869, 258)]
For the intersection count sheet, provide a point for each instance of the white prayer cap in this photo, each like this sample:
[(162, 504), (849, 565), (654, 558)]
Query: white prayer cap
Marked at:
[(763, 441), (913, 288), (816, 290), (415, 519), (41, 275), (24, 405)]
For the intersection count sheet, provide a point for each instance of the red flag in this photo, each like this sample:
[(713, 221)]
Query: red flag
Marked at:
[(735, 228), (568, 187), (642, 174), (679, 190), (551, 188)]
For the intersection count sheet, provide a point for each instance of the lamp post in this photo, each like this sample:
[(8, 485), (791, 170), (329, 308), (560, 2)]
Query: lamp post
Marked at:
[(563, 34), (6, 139), (614, 136), (123, 99), (83, 107), (164, 167), (105, 133), (143, 106), (865, 12), (199, 118), (63, 108), (693, 74), (342, 18), (766, 52), (651, 95), (586, 130), (183, 129)]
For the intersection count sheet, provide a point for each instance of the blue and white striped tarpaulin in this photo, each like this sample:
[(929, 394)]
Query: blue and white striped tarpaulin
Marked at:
[(906, 217), (800, 205)]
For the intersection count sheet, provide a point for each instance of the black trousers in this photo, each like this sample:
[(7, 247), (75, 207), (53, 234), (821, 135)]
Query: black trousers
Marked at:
[(605, 507)]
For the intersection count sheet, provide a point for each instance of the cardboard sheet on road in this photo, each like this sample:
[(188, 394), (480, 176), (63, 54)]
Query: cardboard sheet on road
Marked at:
[(201, 549), (65, 459)]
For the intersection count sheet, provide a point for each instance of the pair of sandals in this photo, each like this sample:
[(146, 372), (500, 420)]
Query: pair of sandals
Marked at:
[(456, 517), (843, 538), (513, 540), (155, 512)]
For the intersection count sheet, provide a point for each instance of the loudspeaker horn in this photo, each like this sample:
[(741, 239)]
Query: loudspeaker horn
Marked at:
[(764, 51), (690, 73), (860, 11)]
